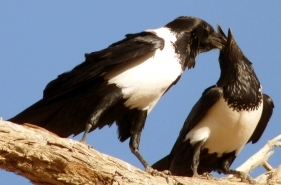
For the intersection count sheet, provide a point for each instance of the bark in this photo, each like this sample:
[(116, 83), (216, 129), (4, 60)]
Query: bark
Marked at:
[(261, 157), (46, 159)]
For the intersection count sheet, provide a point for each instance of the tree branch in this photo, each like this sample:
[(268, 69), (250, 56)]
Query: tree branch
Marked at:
[(45, 158), (261, 157)]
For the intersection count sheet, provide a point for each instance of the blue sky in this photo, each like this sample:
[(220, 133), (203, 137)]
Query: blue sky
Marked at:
[(40, 40)]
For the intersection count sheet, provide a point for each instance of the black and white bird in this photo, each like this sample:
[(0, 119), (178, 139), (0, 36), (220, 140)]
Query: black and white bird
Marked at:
[(122, 83), (228, 115)]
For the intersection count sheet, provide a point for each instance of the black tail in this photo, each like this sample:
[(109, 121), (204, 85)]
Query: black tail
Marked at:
[(180, 163), (163, 164), (63, 118), (68, 114)]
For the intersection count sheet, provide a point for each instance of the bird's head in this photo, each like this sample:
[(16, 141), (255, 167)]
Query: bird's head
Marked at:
[(241, 86), (231, 54), (194, 36)]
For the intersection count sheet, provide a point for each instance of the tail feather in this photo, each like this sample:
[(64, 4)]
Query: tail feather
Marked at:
[(179, 162), (68, 115), (61, 118), (163, 164)]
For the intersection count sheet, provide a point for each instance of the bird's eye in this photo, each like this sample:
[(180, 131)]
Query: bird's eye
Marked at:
[(202, 33), (204, 26)]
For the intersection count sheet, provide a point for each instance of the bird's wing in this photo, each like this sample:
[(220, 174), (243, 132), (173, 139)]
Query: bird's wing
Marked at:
[(179, 160), (266, 114), (97, 63), (199, 110)]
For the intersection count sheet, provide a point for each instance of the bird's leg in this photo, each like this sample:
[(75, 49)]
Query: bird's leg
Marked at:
[(244, 176), (196, 157), (136, 128), (107, 102), (93, 121), (87, 130)]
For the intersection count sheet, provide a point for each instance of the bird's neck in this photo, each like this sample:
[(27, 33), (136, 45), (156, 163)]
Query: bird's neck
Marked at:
[(241, 87), (187, 48)]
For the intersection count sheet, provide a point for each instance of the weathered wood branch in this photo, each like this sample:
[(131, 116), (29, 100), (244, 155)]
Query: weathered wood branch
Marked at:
[(45, 158), (261, 157)]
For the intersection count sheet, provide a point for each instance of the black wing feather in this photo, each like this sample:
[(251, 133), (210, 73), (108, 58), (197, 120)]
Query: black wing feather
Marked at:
[(71, 98), (209, 97), (97, 63), (266, 114), (180, 158)]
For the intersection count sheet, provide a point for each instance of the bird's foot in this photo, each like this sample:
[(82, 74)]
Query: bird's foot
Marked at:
[(196, 175), (84, 142), (205, 175), (246, 178), (154, 172), (209, 176)]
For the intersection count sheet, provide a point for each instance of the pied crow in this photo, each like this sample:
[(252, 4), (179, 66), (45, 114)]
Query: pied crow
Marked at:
[(122, 83), (228, 115)]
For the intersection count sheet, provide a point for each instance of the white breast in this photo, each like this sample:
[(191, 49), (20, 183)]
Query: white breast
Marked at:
[(225, 130), (144, 80)]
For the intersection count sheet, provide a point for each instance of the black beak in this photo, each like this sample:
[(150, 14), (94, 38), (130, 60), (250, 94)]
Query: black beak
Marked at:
[(229, 39), (218, 40), (231, 50), (231, 53)]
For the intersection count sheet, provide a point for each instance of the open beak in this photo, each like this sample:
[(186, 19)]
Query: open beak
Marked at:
[(218, 40), (231, 50)]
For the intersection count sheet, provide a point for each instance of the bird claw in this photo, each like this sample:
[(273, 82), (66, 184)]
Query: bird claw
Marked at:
[(84, 142), (247, 178), (205, 175), (196, 175), (167, 172), (154, 172), (209, 176)]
